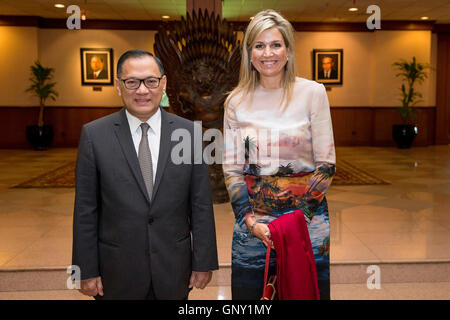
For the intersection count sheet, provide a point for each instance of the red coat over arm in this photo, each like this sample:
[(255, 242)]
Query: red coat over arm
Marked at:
[(296, 267)]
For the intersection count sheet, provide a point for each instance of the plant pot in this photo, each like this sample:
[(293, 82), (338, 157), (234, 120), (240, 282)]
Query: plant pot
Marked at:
[(40, 137), (404, 135)]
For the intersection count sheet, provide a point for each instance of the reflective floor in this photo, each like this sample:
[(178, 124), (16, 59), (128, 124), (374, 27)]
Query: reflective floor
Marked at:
[(404, 223)]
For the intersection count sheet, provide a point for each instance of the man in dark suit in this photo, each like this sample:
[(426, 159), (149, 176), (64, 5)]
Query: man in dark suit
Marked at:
[(97, 69), (135, 209), (328, 71)]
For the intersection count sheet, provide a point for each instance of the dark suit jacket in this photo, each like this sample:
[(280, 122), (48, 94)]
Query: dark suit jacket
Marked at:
[(101, 76), (333, 74), (133, 242)]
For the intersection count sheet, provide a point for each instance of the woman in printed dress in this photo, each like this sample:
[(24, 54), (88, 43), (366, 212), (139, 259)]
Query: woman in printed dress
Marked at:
[(278, 153)]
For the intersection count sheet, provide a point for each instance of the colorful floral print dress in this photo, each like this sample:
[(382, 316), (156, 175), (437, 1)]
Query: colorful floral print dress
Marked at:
[(276, 159)]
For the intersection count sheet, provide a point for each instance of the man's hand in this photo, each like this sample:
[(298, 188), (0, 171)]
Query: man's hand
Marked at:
[(92, 287), (200, 279)]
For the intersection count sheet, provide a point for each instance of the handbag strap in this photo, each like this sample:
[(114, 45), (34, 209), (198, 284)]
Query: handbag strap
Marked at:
[(266, 269)]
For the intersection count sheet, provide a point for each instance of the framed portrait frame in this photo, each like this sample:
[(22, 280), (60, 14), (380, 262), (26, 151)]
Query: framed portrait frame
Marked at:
[(97, 66), (328, 66)]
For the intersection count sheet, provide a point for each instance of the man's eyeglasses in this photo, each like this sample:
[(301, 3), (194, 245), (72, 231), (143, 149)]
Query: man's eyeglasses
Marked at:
[(133, 83)]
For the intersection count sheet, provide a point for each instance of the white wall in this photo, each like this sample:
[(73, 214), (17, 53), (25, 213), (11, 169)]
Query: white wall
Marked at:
[(390, 46), (18, 51), (368, 76), (358, 49), (60, 48)]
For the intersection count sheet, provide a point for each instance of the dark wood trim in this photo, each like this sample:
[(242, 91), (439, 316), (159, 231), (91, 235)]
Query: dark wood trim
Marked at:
[(372, 126), (61, 107), (115, 107), (361, 26), (330, 27), (407, 25), (441, 28), (104, 24), (66, 122), (353, 126), (209, 5), (378, 108), (48, 23), (19, 21), (443, 89)]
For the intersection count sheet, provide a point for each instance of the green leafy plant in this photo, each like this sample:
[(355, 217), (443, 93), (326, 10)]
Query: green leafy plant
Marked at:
[(411, 73), (41, 87)]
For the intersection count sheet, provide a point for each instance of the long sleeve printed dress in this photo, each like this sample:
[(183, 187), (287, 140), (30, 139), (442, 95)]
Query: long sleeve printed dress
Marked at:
[(276, 159)]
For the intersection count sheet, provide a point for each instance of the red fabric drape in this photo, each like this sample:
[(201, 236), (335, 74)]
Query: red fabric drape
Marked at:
[(296, 267)]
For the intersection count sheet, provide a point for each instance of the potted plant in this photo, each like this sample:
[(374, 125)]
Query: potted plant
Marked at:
[(40, 136), (411, 73)]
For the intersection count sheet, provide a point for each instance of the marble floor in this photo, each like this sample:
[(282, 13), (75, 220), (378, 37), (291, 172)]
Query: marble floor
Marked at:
[(407, 221)]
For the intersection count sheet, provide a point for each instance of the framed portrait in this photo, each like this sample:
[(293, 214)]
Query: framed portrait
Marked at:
[(328, 66), (97, 66)]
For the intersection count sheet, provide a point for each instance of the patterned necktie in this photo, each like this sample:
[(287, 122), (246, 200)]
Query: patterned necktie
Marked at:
[(145, 159)]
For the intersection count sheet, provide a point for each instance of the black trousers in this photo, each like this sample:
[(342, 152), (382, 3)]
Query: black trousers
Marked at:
[(150, 295)]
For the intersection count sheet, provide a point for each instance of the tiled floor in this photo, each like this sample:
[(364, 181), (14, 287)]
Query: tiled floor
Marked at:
[(406, 221)]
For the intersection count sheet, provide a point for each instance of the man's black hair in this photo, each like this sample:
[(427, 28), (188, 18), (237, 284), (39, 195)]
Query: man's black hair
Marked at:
[(137, 53)]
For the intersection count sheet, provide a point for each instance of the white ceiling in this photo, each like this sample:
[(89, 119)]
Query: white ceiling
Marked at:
[(294, 10)]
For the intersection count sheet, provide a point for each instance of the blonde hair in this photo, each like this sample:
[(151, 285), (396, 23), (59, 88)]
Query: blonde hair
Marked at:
[(249, 76)]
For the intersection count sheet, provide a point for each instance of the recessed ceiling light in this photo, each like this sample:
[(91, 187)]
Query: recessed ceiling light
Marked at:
[(165, 17), (353, 9), (424, 18), (59, 5)]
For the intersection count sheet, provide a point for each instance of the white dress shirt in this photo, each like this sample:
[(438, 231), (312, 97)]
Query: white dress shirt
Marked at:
[(96, 73), (153, 135)]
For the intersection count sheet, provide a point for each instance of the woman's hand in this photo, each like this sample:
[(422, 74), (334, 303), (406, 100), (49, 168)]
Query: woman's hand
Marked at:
[(260, 230)]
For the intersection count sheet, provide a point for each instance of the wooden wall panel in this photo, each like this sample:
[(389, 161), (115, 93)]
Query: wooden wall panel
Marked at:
[(366, 126), (385, 118), (66, 122), (383, 121), (13, 122), (353, 126), (341, 122), (443, 89)]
